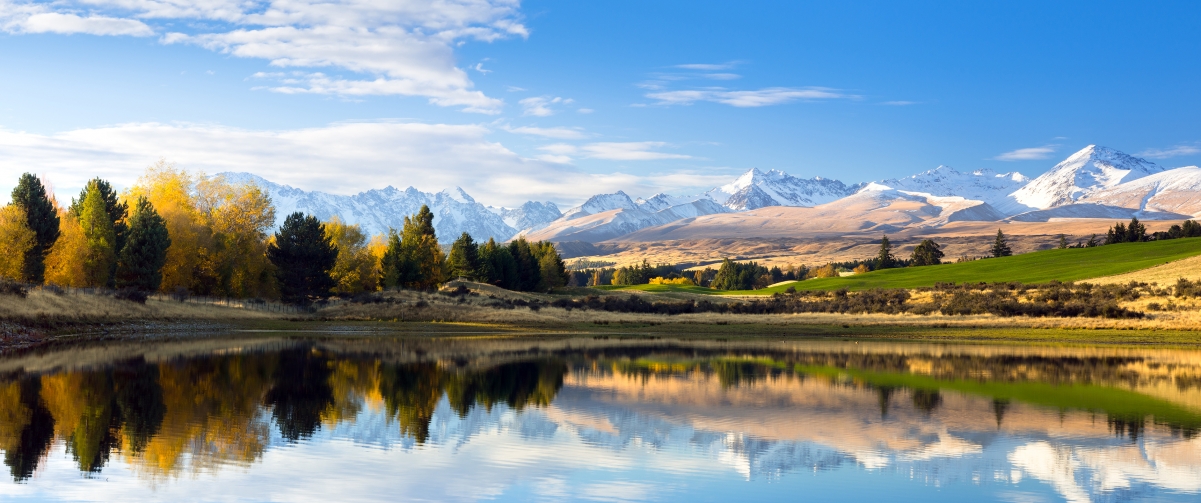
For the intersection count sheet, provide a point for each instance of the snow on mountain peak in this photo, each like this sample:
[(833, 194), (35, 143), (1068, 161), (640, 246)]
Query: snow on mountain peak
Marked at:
[(757, 189), (1091, 169)]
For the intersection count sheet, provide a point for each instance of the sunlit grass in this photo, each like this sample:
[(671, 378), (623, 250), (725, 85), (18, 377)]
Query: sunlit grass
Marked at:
[(1073, 264)]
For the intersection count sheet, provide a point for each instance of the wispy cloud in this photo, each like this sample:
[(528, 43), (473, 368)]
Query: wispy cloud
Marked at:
[(343, 158), (615, 151), (558, 133), (899, 103), (540, 106), (400, 48), (1027, 154), (1177, 151), (755, 98), (708, 67)]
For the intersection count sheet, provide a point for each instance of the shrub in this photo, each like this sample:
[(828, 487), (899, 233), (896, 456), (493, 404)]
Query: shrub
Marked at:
[(673, 281), (9, 287), (131, 294)]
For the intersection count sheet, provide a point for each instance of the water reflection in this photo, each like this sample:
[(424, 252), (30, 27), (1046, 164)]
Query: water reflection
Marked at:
[(588, 419)]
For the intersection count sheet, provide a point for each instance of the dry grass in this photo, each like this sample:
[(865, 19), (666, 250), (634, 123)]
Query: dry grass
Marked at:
[(1164, 275), (87, 307)]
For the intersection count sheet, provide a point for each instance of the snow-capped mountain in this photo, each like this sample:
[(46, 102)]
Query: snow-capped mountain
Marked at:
[(529, 216), (944, 181), (757, 189), (378, 210), (1173, 191), (1095, 182), (606, 216), (601, 203), (1090, 170)]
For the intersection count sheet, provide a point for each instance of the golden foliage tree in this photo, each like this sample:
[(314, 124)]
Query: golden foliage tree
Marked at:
[(172, 192), (355, 270), (239, 216), (16, 239), (64, 263)]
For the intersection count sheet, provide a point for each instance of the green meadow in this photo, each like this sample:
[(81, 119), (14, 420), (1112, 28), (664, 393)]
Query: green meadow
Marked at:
[(1073, 264)]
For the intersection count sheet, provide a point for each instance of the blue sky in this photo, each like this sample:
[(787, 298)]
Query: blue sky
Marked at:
[(559, 100)]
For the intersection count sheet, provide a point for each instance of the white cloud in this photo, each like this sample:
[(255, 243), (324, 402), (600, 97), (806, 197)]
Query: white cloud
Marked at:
[(540, 106), (1027, 154), (899, 103), (1177, 151), (343, 158), (723, 76), (585, 110), (615, 151), (708, 67), (404, 47), (559, 133), (629, 151), (757, 98), (53, 22)]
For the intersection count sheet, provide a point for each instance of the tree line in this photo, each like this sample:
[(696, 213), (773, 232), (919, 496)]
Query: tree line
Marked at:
[(183, 234)]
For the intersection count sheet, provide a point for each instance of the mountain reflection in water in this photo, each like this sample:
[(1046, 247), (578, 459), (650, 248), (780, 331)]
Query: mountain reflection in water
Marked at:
[(595, 419)]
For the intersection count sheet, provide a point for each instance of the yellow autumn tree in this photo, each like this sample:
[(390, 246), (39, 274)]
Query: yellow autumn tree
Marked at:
[(16, 238), (172, 193), (239, 216), (355, 270), (64, 263)]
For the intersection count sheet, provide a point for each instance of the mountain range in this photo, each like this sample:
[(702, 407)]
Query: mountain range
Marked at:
[(1095, 182)]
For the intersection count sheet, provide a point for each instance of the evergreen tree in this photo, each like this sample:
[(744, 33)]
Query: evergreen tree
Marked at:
[(140, 262), (1092, 242), (42, 218), (1117, 234), (550, 264), (529, 273), (113, 207), (464, 258), (1063, 242), (1190, 229), (500, 268), (392, 263), (885, 259), (1136, 232), (1000, 247), (927, 253), (422, 258), (303, 257), (99, 237)]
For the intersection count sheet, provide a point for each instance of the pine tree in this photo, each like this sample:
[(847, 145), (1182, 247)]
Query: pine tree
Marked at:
[(42, 218), (550, 264), (529, 273), (140, 263), (1092, 242), (1136, 232), (303, 256), (1063, 242), (885, 259), (100, 239), (464, 258), (113, 207), (392, 263), (498, 266), (927, 253), (1000, 247)]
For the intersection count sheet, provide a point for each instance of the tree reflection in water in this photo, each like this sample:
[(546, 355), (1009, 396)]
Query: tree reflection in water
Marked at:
[(198, 413)]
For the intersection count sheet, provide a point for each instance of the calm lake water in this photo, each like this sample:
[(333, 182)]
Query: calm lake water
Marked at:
[(598, 419)]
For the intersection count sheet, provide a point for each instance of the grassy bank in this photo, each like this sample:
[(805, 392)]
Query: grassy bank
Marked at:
[(1073, 264)]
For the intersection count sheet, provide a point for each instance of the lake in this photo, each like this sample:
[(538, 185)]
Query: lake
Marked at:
[(596, 418)]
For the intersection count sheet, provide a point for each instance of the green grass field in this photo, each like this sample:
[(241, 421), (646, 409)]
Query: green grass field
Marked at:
[(1074, 264)]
